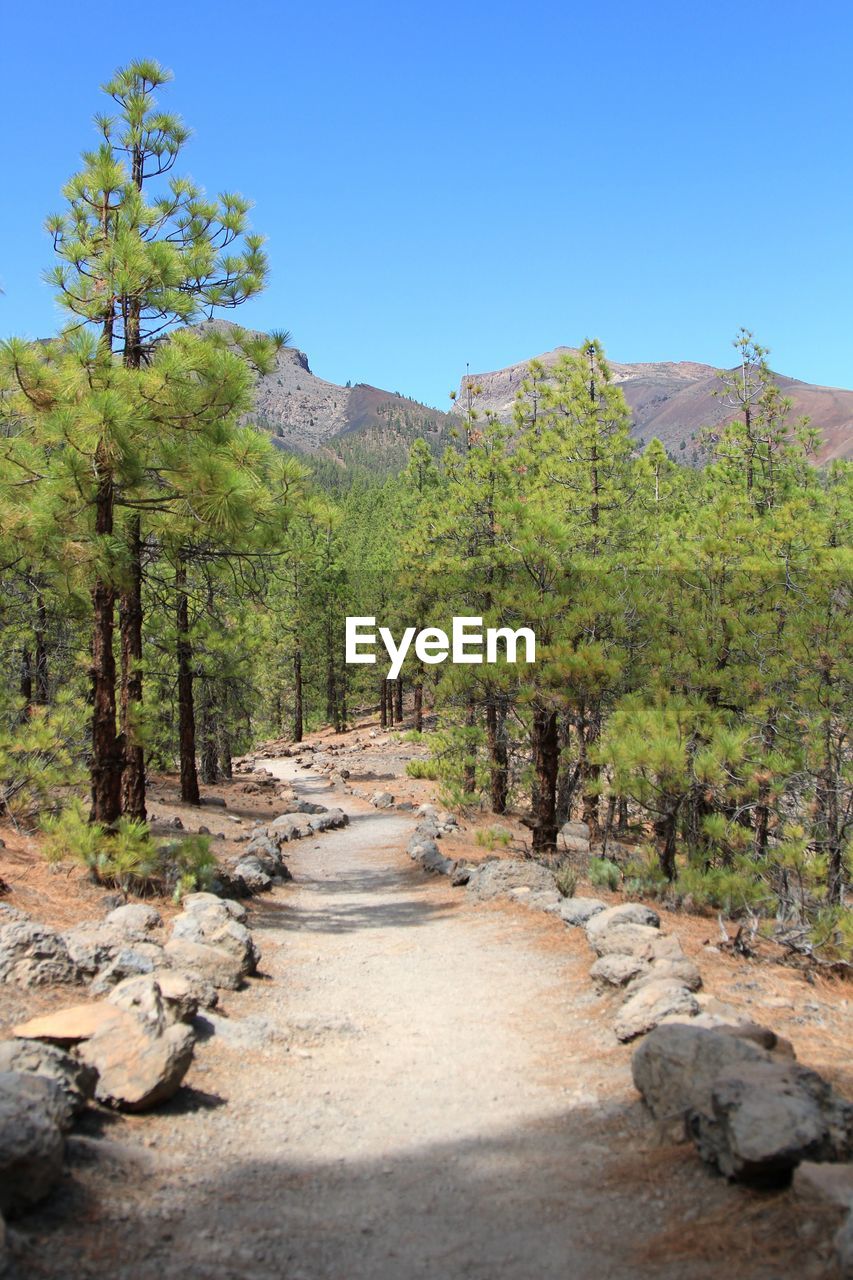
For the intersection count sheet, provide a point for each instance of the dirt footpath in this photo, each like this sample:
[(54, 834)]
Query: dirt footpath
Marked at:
[(419, 1087)]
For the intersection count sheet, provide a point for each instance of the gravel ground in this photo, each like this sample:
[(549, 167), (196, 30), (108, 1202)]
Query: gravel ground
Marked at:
[(417, 1087)]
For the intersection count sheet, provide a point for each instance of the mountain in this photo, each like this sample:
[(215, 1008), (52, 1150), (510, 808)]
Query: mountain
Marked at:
[(345, 426), (675, 400)]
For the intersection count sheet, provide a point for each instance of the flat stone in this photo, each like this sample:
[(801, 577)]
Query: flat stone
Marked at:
[(617, 970), (67, 1026)]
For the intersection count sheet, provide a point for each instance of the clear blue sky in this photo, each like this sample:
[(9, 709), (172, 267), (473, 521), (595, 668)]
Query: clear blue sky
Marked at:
[(452, 182)]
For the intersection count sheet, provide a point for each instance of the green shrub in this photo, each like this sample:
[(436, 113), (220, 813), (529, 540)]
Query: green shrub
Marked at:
[(731, 889), (604, 874), (39, 758), (566, 877), (492, 837), (423, 769), (643, 875), (128, 858)]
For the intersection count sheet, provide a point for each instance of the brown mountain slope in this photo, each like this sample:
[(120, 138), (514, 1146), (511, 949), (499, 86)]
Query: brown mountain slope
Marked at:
[(675, 401)]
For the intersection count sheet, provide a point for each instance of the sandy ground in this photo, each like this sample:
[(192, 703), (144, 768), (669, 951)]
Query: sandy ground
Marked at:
[(417, 1087)]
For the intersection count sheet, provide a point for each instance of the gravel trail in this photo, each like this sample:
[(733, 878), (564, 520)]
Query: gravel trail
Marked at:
[(419, 1087)]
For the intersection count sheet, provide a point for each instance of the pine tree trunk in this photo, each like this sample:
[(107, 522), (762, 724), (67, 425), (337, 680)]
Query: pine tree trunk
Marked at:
[(225, 767), (498, 754), (130, 623), (209, 747), (469, 773), (389, 699), (107, 746), (398, 695), (665, 828), (546, 764), (590, 777), (186, 710), (567, 778), (298, 726), (41, 693), (622, 823), (383, 704), (26, 684), (419, 707)]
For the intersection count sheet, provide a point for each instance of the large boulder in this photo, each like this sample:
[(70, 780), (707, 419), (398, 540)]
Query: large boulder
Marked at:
[(382, 800), (573, 837), (623, 939), (128, 962), (38, 1058), (675, 1067), (288, 826), (213, 965), (658, 999), (617, 970), (135, 920), (140, 1062), (498, 876), (577, 911), (199, 901), (328, 820), (32, 955), (34, 1114), (253, 874), (623, 914), (94, 945), (68, 1026), (184, 994), (676, 969), (214, 926), (765, 1117)]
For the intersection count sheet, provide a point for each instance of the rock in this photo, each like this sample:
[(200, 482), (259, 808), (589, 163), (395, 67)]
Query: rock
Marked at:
[(618, 970), (288, 826), (825, 1184), (94, 945), (623, 914), (427, 811), (576, 911), (462, 875), (331, 820), (382, 799), (199, 901), (844, 1248), (32, 955), (659, 999), (141, 997), (135, 920), (129, 962), (679, 970), (139, 1062), (675, 1067), (500, 875), (214, 800), (767, 1116), (175, 823), (573, 837), (625, 939), (214, 926), (35, 1057), (252, 873), (185, 993), (34, 1114), (432, 860), (419, 846), (211, 964), (67, 1026)]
